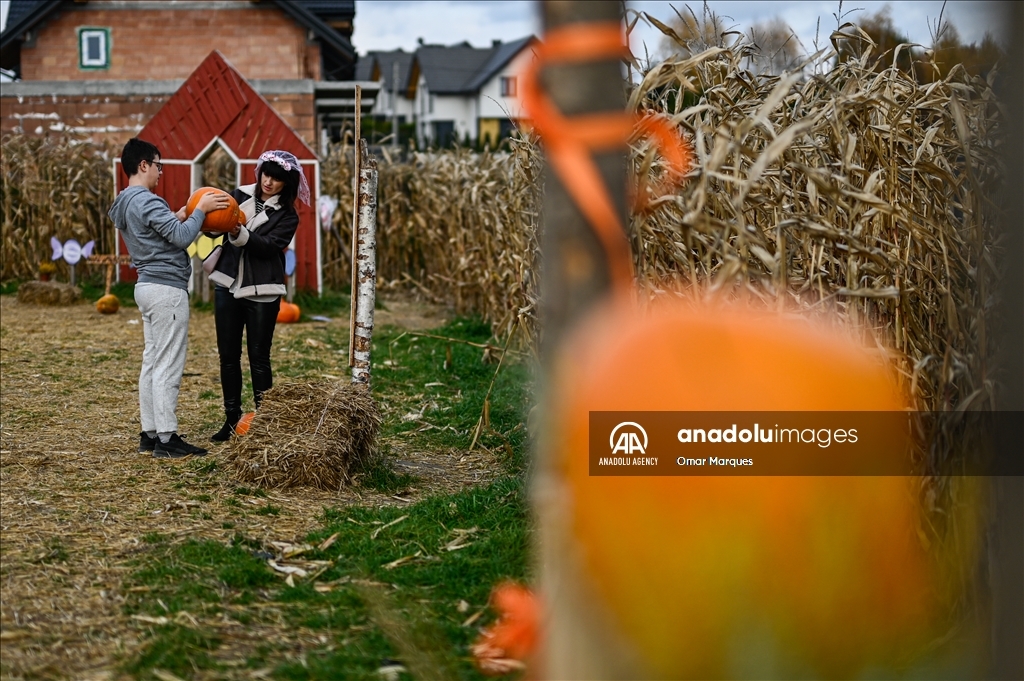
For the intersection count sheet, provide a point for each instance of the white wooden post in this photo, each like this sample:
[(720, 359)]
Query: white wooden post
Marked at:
[(365, 259)]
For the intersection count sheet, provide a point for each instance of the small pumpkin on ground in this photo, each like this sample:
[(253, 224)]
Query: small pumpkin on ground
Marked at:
[(289, 313), (108, 304)]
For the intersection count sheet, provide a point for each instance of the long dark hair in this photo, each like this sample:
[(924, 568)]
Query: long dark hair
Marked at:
[(289, 177)]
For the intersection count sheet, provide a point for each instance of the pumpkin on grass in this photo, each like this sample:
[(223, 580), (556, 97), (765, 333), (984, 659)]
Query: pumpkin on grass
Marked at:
[(108, 304), (289, 313)]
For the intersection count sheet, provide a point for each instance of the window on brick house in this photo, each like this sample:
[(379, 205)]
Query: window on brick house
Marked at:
[(93, 48), (508, 86)]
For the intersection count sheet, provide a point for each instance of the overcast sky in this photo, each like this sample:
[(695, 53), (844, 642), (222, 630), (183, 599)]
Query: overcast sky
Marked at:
[(389, 24)]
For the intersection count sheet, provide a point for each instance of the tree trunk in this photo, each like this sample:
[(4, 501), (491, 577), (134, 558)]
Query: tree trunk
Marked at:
[(365, 266)]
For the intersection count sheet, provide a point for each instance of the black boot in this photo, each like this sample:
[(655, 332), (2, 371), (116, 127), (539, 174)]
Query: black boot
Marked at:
[(227, 430)]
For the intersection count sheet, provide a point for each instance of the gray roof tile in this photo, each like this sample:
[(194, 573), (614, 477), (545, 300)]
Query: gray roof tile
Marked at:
[(462, 68)]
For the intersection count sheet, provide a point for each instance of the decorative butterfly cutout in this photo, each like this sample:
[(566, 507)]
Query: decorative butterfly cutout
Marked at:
[(70, 250)]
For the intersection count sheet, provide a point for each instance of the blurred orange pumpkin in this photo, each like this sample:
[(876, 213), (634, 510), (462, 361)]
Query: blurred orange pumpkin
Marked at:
[(108, 304), (242, 427), (289, 313), (219, 221), (821, 573)]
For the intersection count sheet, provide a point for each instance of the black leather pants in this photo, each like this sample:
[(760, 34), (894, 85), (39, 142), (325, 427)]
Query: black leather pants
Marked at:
[(258, 320)]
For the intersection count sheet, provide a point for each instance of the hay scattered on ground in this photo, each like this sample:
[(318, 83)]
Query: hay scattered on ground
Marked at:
[(77, 500), (307, 435), (48, 293)]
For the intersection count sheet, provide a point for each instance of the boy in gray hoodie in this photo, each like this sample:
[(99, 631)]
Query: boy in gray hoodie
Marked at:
[(157, 239)]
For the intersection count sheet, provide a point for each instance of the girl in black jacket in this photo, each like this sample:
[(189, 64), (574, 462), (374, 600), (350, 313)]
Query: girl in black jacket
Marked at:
[(249, 274)]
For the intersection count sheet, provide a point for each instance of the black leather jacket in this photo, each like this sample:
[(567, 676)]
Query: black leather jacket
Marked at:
[(258, 250)]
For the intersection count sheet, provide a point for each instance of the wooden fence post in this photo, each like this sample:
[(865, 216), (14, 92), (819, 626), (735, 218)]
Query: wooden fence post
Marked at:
[(575, 278), (575, 273), (1006, 532)]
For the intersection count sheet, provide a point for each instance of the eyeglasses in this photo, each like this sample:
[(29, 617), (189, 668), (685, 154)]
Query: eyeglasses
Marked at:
[(159, 166)]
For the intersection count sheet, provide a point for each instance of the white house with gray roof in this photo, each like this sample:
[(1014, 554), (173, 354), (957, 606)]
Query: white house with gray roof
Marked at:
[(453, 92), (390, 69)]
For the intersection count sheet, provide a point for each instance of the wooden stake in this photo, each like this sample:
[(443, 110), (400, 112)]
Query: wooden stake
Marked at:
[(356, 158), (576, 278), (575, 273)]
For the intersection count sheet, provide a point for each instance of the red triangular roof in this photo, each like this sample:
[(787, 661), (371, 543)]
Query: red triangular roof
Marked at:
[(216, 101)]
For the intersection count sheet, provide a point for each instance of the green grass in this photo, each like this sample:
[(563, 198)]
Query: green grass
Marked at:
[(396, 596), (395, 589), (445, 383), (93, 288)]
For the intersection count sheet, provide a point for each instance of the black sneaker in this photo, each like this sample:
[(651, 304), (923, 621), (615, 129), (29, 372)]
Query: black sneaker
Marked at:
[(146, 443), (176, 448)]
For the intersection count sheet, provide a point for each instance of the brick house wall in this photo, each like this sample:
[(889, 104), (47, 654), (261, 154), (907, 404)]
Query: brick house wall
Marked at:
[(161, 44), (153, 48), (112, 111)]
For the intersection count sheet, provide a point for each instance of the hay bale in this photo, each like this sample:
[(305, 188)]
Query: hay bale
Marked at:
[(48, 293), (307, 435)]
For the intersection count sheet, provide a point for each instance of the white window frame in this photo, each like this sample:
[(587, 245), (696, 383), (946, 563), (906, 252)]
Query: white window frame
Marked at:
[(84, 34)]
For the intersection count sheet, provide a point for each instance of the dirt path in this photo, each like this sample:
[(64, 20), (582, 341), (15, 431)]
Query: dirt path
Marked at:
[(77, 500)]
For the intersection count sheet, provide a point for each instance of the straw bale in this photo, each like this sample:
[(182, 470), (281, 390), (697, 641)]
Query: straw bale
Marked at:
[(307, 435), (48, 293)]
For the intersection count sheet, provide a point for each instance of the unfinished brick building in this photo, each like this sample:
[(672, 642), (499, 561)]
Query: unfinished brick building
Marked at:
[(104, 68)]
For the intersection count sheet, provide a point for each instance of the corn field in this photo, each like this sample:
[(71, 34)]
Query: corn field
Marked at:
[(53, 186), (838, 190), (458, 227)]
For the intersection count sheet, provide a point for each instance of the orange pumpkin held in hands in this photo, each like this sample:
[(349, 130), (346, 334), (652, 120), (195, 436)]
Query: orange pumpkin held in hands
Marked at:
[(219, 221)]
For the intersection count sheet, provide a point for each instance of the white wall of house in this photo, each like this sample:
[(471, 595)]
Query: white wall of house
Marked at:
[(466, 110), (458, 108), (383, 105), (492, 103)]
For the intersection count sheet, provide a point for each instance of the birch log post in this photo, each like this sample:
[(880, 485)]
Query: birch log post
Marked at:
[(364, 264)]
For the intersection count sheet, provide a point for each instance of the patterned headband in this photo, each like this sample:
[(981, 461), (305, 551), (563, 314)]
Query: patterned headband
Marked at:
[(287, 161)]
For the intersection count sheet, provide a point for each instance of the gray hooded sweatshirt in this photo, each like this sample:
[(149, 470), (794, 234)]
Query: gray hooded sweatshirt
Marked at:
[(156, 239)]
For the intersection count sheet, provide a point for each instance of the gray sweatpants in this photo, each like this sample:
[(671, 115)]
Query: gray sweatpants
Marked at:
[(165, 314)]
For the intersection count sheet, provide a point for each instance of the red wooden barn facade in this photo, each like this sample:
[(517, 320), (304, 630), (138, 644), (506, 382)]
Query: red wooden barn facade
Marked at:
[(215, 106)]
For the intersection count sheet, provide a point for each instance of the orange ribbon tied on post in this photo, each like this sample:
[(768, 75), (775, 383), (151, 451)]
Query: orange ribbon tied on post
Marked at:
[(569, 142)]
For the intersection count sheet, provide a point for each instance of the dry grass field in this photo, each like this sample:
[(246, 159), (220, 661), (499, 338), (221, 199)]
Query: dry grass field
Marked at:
[(78, 501)]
